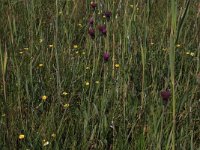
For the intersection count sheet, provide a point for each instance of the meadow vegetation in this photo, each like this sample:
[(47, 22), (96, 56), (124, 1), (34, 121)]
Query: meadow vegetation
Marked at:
[(104, 74)]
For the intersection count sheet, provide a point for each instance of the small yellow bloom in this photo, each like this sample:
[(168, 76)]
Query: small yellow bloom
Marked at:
[(80, 25), (41, 65), (21, 136), (66, 105), (178, 45), (164, 49), (117, 65), (53, 135), (26, 48), (152, 43), (77, 52), (44, 98), (75, 46), (104, 16), (64, 93), (87, 83), (188, 53), (41, 40), (21, 52), (97, 82), (45, 143), (87, 68), (51, 46), (83, 53)]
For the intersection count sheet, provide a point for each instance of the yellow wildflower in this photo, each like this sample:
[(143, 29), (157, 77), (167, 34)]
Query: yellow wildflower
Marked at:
[(21, 52), (64, 93), (44, 98), (66, 105), (117, 65), (21, 136), (178, 45), (87, 83), (51, 46), (41, 65), (97, 82), (41, 40), (75, 46), (80, 25), (188, 53), (164, 49), (45, 143), (53, 135)]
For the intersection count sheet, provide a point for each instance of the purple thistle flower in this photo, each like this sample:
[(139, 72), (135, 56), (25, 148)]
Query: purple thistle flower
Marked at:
[(91, 21), (91, 33), (165, 94), (106, 56), (107, 14), (102, 29), (93, 5)]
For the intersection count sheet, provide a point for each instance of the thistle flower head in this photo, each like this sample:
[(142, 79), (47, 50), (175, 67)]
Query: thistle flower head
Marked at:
[(102, 29), (107, 15), (165, 94), (91, 21), (106, 56), (93, 5), (91, 32)]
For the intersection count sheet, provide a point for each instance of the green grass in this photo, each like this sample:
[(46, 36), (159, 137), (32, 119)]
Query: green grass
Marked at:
[(155, 43)]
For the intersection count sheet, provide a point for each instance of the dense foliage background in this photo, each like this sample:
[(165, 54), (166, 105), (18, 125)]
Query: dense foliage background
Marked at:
[(126, 80)]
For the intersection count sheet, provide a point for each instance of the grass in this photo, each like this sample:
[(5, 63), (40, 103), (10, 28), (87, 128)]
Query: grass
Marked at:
[(57, 91)]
